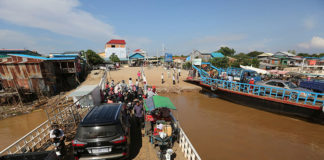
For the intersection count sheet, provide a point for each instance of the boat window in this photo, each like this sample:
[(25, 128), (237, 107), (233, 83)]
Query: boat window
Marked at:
[(272, 83), (290, 85), (280, 84)]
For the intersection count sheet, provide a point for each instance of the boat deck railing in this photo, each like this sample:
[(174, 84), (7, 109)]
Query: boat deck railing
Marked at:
[(187, 148), (312, 99)]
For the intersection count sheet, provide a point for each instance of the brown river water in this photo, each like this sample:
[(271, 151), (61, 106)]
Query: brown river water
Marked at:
[(13, 128), (219, 129)]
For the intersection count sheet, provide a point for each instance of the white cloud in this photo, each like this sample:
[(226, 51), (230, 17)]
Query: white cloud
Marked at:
[(58, 16), (12, 39), (316, 42), (309, 23)]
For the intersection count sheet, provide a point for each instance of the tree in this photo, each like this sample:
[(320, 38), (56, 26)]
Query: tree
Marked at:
[(292, 51), (303, 54), (226, 51), (255, 62), (114, 58), (93, 57), (220, 62), (240, 55), (254, 54)]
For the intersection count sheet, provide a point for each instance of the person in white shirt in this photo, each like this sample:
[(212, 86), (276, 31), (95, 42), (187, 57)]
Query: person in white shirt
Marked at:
[(130, 82), (179, 70)]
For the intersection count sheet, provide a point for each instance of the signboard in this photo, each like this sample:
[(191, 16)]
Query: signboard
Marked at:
[(196, 61), (168, 57)]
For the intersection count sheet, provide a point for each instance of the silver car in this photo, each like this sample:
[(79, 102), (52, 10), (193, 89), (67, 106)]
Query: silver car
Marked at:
[(282, 84)]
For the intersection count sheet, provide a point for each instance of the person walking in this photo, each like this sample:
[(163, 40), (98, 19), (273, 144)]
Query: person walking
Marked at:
[(136, 84), (162, 78), (178, 78), (179, 71), (173, 78), (139, 114), (130, 82), (139, 75)]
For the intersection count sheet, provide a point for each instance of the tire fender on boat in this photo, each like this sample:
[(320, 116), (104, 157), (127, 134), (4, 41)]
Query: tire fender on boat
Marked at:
[(214, 87)]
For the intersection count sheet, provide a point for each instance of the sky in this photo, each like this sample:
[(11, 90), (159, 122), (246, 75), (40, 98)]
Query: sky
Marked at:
[(181, 26)]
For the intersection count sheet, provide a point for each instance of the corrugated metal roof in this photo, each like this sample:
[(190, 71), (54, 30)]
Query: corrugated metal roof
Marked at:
[(136, 56), (28, 56), (116, 41), (217, 55), (43, 58), (83, 90)]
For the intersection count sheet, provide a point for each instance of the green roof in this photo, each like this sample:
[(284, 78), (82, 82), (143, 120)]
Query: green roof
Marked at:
[(158, 102)]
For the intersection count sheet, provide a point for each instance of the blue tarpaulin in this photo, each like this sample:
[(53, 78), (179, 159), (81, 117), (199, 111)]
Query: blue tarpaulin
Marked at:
[(188, 58), (168, 57)]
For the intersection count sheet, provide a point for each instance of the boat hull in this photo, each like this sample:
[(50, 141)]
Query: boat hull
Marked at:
[(263, 103)]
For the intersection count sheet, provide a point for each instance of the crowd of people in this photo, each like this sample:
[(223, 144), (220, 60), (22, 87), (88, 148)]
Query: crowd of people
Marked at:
[(121, 92), (130, 94)]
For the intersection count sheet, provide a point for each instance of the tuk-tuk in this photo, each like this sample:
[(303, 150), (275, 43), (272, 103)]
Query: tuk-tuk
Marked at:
[(160, 124)]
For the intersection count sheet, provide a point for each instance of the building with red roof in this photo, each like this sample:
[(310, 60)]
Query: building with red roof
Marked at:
[(117, 47)]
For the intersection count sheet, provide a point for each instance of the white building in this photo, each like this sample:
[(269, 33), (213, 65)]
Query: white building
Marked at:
[(117, 47)]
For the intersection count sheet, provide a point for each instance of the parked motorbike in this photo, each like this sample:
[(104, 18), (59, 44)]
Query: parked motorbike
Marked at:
[(165, 144), (59, 147)]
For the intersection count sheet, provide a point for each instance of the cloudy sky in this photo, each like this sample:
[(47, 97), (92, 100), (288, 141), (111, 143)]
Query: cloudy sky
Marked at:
[(67, 25)]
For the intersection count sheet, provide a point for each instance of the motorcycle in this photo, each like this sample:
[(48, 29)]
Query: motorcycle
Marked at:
[(165, 144), (59, 147)]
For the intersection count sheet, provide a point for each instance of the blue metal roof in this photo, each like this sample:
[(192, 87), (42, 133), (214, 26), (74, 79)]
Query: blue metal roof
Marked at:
[(42, 58), (136, 56), (29, 56), (217, 55), (188, 58)]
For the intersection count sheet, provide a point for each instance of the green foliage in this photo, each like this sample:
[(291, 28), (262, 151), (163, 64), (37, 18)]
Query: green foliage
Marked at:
[(292, 51), (254, 54), (310, 55), (255, 62), (240, 56), (114, 58), (246, 60), (226, 51), (93, 57), (220, 62), (187, 65), (303, 54)]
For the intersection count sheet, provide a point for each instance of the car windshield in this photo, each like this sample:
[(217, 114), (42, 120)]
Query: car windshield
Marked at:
[(290, 85), (98, 131)]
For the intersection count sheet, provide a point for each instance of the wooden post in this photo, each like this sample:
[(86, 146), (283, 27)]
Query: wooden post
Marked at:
[(14, 82)]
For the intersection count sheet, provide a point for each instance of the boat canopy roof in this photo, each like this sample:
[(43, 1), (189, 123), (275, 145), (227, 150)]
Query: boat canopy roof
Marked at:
[(156, 102)]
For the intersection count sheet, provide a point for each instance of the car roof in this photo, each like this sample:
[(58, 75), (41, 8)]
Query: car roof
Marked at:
[(276, 80), (102, 115)]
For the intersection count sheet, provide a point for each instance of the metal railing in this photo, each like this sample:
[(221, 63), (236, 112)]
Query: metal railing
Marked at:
[(30, 141), (296, 96), (64, 114), (187, 148)]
